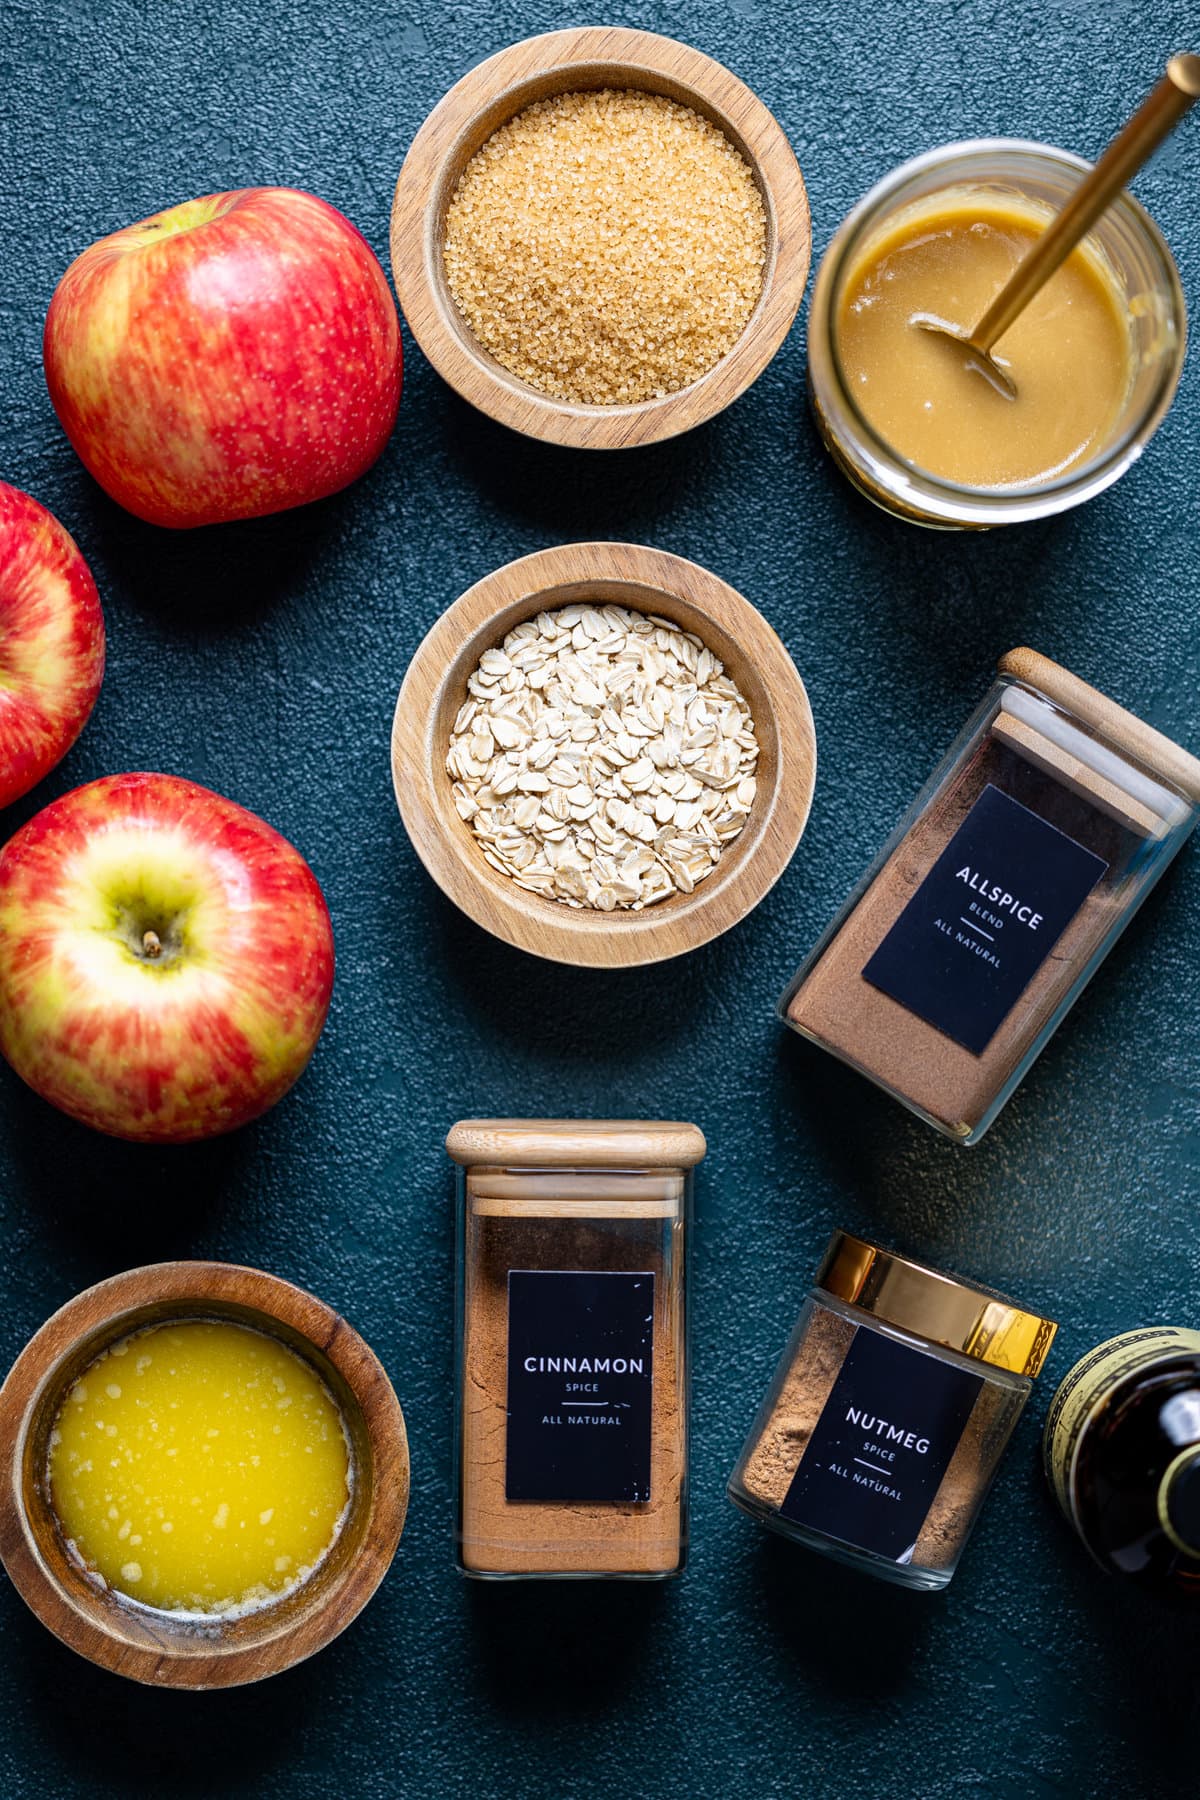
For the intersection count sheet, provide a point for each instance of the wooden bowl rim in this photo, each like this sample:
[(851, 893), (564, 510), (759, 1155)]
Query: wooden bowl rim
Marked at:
[(41, 1366), (416, 233), (546, 928)]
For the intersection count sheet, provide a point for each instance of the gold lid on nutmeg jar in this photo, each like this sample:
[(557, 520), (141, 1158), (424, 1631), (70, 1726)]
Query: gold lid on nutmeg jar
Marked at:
[(972, 1320)]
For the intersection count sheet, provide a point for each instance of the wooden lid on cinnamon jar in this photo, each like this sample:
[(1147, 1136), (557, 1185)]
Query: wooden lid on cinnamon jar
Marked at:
[(576, 1143)]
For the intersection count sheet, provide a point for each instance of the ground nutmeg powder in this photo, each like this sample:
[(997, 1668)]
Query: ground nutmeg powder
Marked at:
[(816, 1362), (889, 1413)]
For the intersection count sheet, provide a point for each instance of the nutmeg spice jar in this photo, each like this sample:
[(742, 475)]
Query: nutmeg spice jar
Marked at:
[(998, 896), (573, 1375), (889, 1413)]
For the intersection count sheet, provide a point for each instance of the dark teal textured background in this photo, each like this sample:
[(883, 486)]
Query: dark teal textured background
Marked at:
[(264, 661)]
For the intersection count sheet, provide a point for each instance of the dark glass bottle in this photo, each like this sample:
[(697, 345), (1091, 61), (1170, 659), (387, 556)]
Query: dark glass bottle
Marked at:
[(1122, 1453)]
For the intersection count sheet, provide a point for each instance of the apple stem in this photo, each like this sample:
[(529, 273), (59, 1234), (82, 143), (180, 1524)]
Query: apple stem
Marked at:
[(151, 944)]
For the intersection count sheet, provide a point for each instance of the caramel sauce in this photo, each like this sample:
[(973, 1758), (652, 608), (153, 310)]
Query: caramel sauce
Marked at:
[(1069, 353)]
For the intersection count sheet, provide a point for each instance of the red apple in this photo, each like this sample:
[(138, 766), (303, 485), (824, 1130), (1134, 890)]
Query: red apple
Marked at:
[(166, 959), (230, 357), (51, 642)]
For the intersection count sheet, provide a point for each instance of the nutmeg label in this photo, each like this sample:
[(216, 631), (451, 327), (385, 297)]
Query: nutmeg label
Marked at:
[(883, 1443), (984, 919), (580, 1384)]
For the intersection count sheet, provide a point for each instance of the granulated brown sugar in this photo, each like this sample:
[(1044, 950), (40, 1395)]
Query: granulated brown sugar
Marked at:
[(506, 1231), (834, 1003), (775, 1452), (607, 247)]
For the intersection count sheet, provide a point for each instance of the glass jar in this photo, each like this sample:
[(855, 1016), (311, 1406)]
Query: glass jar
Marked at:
[(572, 1427), (1138, 266), (997, 896), (889, 1413), (1122, 1453)]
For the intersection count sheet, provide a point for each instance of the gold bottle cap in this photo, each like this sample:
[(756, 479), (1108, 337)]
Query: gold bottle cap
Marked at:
[(972, 1320)]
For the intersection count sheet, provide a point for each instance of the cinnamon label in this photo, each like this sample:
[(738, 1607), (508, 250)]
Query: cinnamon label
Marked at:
[(984, 919), (580, 1384)]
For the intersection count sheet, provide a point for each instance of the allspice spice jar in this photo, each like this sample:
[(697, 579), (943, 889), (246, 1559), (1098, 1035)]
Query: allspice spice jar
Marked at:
[(889, 1413), (998, 896), (573, 1377)]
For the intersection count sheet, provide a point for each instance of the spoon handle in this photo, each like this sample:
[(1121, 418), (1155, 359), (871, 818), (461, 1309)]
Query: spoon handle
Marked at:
[(1157, 116)]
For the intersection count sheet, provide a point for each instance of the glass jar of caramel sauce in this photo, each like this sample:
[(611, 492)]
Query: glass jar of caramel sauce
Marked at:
[(1095, 358)]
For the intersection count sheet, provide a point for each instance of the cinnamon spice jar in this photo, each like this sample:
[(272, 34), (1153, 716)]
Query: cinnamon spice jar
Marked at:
[(889, 1413), (998, 896), (573, 1377)]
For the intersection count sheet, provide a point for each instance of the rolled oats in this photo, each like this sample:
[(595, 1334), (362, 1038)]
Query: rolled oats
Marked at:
[(603, 758)]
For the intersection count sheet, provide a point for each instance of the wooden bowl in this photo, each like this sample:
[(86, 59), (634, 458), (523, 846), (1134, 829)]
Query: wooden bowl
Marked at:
[(494, 92), (137, 1641), (648, 581)]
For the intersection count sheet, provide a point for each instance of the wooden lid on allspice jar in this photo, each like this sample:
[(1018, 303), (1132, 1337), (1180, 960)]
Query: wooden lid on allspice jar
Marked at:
[(1157, 754)]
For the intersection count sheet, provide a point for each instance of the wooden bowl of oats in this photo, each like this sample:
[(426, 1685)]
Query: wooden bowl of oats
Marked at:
[(600, 237), (603, 754)]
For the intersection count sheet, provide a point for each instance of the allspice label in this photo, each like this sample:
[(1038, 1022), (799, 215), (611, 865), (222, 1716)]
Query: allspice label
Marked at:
[(984, 919), (580, 1385), (877, 1456)]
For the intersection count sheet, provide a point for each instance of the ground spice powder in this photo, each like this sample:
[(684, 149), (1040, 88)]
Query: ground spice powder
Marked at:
[(607, 247), (834, 1004), (777, 1445), (579, 1222)]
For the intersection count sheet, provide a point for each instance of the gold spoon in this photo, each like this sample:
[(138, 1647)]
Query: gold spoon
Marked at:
[(1154, 120)]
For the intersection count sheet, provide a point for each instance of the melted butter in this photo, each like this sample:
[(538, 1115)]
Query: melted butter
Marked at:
[(1069, 353), (200, 1467)]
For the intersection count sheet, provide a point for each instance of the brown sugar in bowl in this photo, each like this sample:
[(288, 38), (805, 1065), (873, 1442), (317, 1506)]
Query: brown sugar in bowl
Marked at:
[(646, 581), (488, 97), (158, 1648)]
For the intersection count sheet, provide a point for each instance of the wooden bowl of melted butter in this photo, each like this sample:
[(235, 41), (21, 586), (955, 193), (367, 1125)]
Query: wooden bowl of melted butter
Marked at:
[(205, 1474)]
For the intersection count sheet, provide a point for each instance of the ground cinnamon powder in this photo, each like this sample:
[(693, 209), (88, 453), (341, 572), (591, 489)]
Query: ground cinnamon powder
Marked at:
[(569, 1221), (777, 1445), (836, 1006)]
